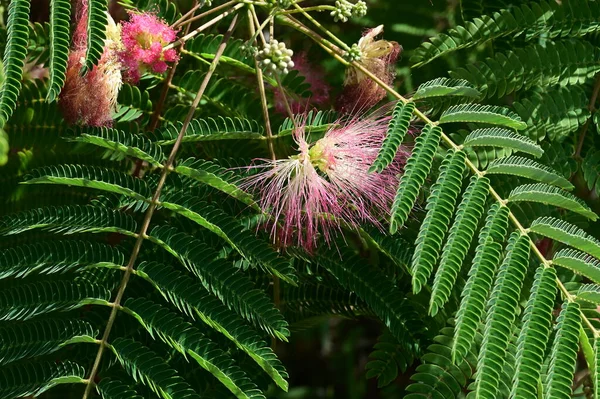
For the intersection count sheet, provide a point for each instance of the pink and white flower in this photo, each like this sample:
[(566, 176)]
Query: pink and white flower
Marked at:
[(327, 183), (144, 37)]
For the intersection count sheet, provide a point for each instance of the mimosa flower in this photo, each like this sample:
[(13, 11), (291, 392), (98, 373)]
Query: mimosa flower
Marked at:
[(327, 183), (144, 37), (91, 99), (379, 58)]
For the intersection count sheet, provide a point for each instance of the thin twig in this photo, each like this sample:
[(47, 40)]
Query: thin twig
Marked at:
[(183, 21), (203, 27), (151, 209)]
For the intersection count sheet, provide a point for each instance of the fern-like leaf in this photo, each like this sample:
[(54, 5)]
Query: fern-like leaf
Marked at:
[(29, 300), (523, 167), (579, 263), (479, 284), (189, 341), (531, 344), (91, 177), (190, 298), (14, 57), (35, 378), (60, 11), (566, 233), (440, 208), (223, 280), (49, 257), (97, 20), (488, 114), (502, 309), (388, 357), (397, 129), (546, 194), (145, 366), (564, 353), (416, 171), (40, 337), (115, 389), (497, 137), (589, 293), (444, 87), (459, 240)]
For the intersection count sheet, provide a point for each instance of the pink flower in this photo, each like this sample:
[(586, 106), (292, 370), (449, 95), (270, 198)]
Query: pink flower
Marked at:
[(91, 99), (378, 57), (144, 37), (315, 78), (310, 194)]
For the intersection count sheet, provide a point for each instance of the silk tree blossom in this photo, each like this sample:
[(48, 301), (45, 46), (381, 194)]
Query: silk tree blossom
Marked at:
[(377, 56), (91, 99), (144, 37), (312, 193)]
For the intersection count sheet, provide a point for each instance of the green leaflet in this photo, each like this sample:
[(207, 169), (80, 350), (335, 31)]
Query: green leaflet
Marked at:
[(40, 337), (566, 233), (546, 194), (579, 263), (4, 147), (459, 240), (527, 20), (503, 138), (190, 298), (589, 293), (54, 257), (523, 167), (477, 113), (145, 366), (209, 129), (35, 378), (126, 144), (189, 341), (564, 353), (24, 301), (444, 87), (388, 357), (533, 66), (60, 12), (481, 276), (228, 228), (502, 308), (208, 172), (440, 208), (96, 31), (69, 219), (397, 129), (224, 280), (14, 57), (115, 389), (91, 177), (416, 170), (531, 344)]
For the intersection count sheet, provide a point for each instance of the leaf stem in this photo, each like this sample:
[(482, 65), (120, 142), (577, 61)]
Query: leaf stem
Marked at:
[(185, 21), (151, 209)]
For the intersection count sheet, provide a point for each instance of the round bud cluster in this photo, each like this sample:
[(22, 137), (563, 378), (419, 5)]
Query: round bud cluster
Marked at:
[(344, 10), (284, 3), (353, 54), (359, 9), (275, 58)]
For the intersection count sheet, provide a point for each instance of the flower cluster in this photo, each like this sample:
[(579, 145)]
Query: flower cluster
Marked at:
[(91, 99), (379, 58), (345, 10), (144, 37), (310, 194), (275, 58)]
